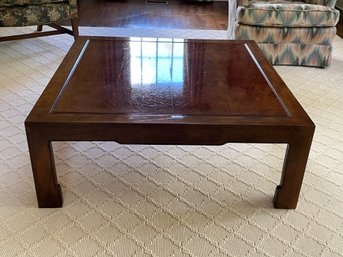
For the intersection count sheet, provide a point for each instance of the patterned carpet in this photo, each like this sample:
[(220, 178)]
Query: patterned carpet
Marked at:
[(161, 201)]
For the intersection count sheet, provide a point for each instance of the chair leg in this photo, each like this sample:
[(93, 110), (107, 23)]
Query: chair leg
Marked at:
[(58, 30), (75, 27)]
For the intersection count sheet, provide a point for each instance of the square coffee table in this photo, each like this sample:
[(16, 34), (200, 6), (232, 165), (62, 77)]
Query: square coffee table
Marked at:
[(167, 91)]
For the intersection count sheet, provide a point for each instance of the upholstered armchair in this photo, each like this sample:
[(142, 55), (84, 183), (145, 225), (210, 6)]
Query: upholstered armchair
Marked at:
[(16, 13), (288, 32)]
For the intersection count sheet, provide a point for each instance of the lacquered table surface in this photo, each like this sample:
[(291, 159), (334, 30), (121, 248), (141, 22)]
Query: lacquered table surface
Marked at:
[(167, 76)]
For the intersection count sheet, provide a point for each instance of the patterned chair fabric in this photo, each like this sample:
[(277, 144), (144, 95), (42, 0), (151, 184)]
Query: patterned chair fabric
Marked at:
[(297, 54), (328, 3), (287, 15), (26, 2), (289, 32), (35, 12), (314, 35)]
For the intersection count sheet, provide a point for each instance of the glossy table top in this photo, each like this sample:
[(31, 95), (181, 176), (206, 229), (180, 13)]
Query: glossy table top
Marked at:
[(175, 77)]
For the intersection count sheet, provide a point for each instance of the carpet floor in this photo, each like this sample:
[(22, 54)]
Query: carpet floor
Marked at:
[(161, 201)]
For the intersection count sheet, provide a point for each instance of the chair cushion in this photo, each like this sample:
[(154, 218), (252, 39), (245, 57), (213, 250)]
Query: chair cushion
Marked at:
[(34, 14), (290, 14), (29, 2)]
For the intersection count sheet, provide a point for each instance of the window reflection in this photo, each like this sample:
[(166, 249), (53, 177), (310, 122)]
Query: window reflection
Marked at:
[(156, 61)]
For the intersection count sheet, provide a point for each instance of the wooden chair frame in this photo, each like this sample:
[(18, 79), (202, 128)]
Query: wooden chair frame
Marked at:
[(58, 30)]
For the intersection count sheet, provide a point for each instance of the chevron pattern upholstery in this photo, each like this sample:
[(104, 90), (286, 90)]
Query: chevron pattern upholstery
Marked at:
[(289, 32)]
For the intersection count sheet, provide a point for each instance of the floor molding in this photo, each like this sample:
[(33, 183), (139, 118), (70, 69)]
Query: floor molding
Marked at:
[(139, 32)]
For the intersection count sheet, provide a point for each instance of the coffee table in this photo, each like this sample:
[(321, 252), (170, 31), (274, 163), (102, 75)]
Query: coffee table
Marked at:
[(167, 91)]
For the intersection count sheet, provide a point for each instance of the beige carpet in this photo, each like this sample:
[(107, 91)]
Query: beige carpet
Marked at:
[(135, 200)]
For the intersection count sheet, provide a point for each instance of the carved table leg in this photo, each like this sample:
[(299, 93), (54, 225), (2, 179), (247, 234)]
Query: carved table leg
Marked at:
[(287, 193), (49, 194)]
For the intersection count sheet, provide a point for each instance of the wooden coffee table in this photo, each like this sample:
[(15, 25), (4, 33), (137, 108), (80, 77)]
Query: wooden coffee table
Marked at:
[(149, 91)]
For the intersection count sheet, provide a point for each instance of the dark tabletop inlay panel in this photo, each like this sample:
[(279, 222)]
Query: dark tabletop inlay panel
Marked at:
[(167, 77)]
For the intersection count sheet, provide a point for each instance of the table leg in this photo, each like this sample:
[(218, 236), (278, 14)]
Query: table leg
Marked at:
[(287, 193), (49, 194)]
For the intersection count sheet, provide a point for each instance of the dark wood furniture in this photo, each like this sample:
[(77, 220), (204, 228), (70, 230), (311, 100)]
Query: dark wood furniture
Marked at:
[(40, 33), (208, 93)]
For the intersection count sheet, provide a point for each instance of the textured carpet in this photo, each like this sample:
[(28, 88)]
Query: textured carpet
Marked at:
[(136, 200)]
